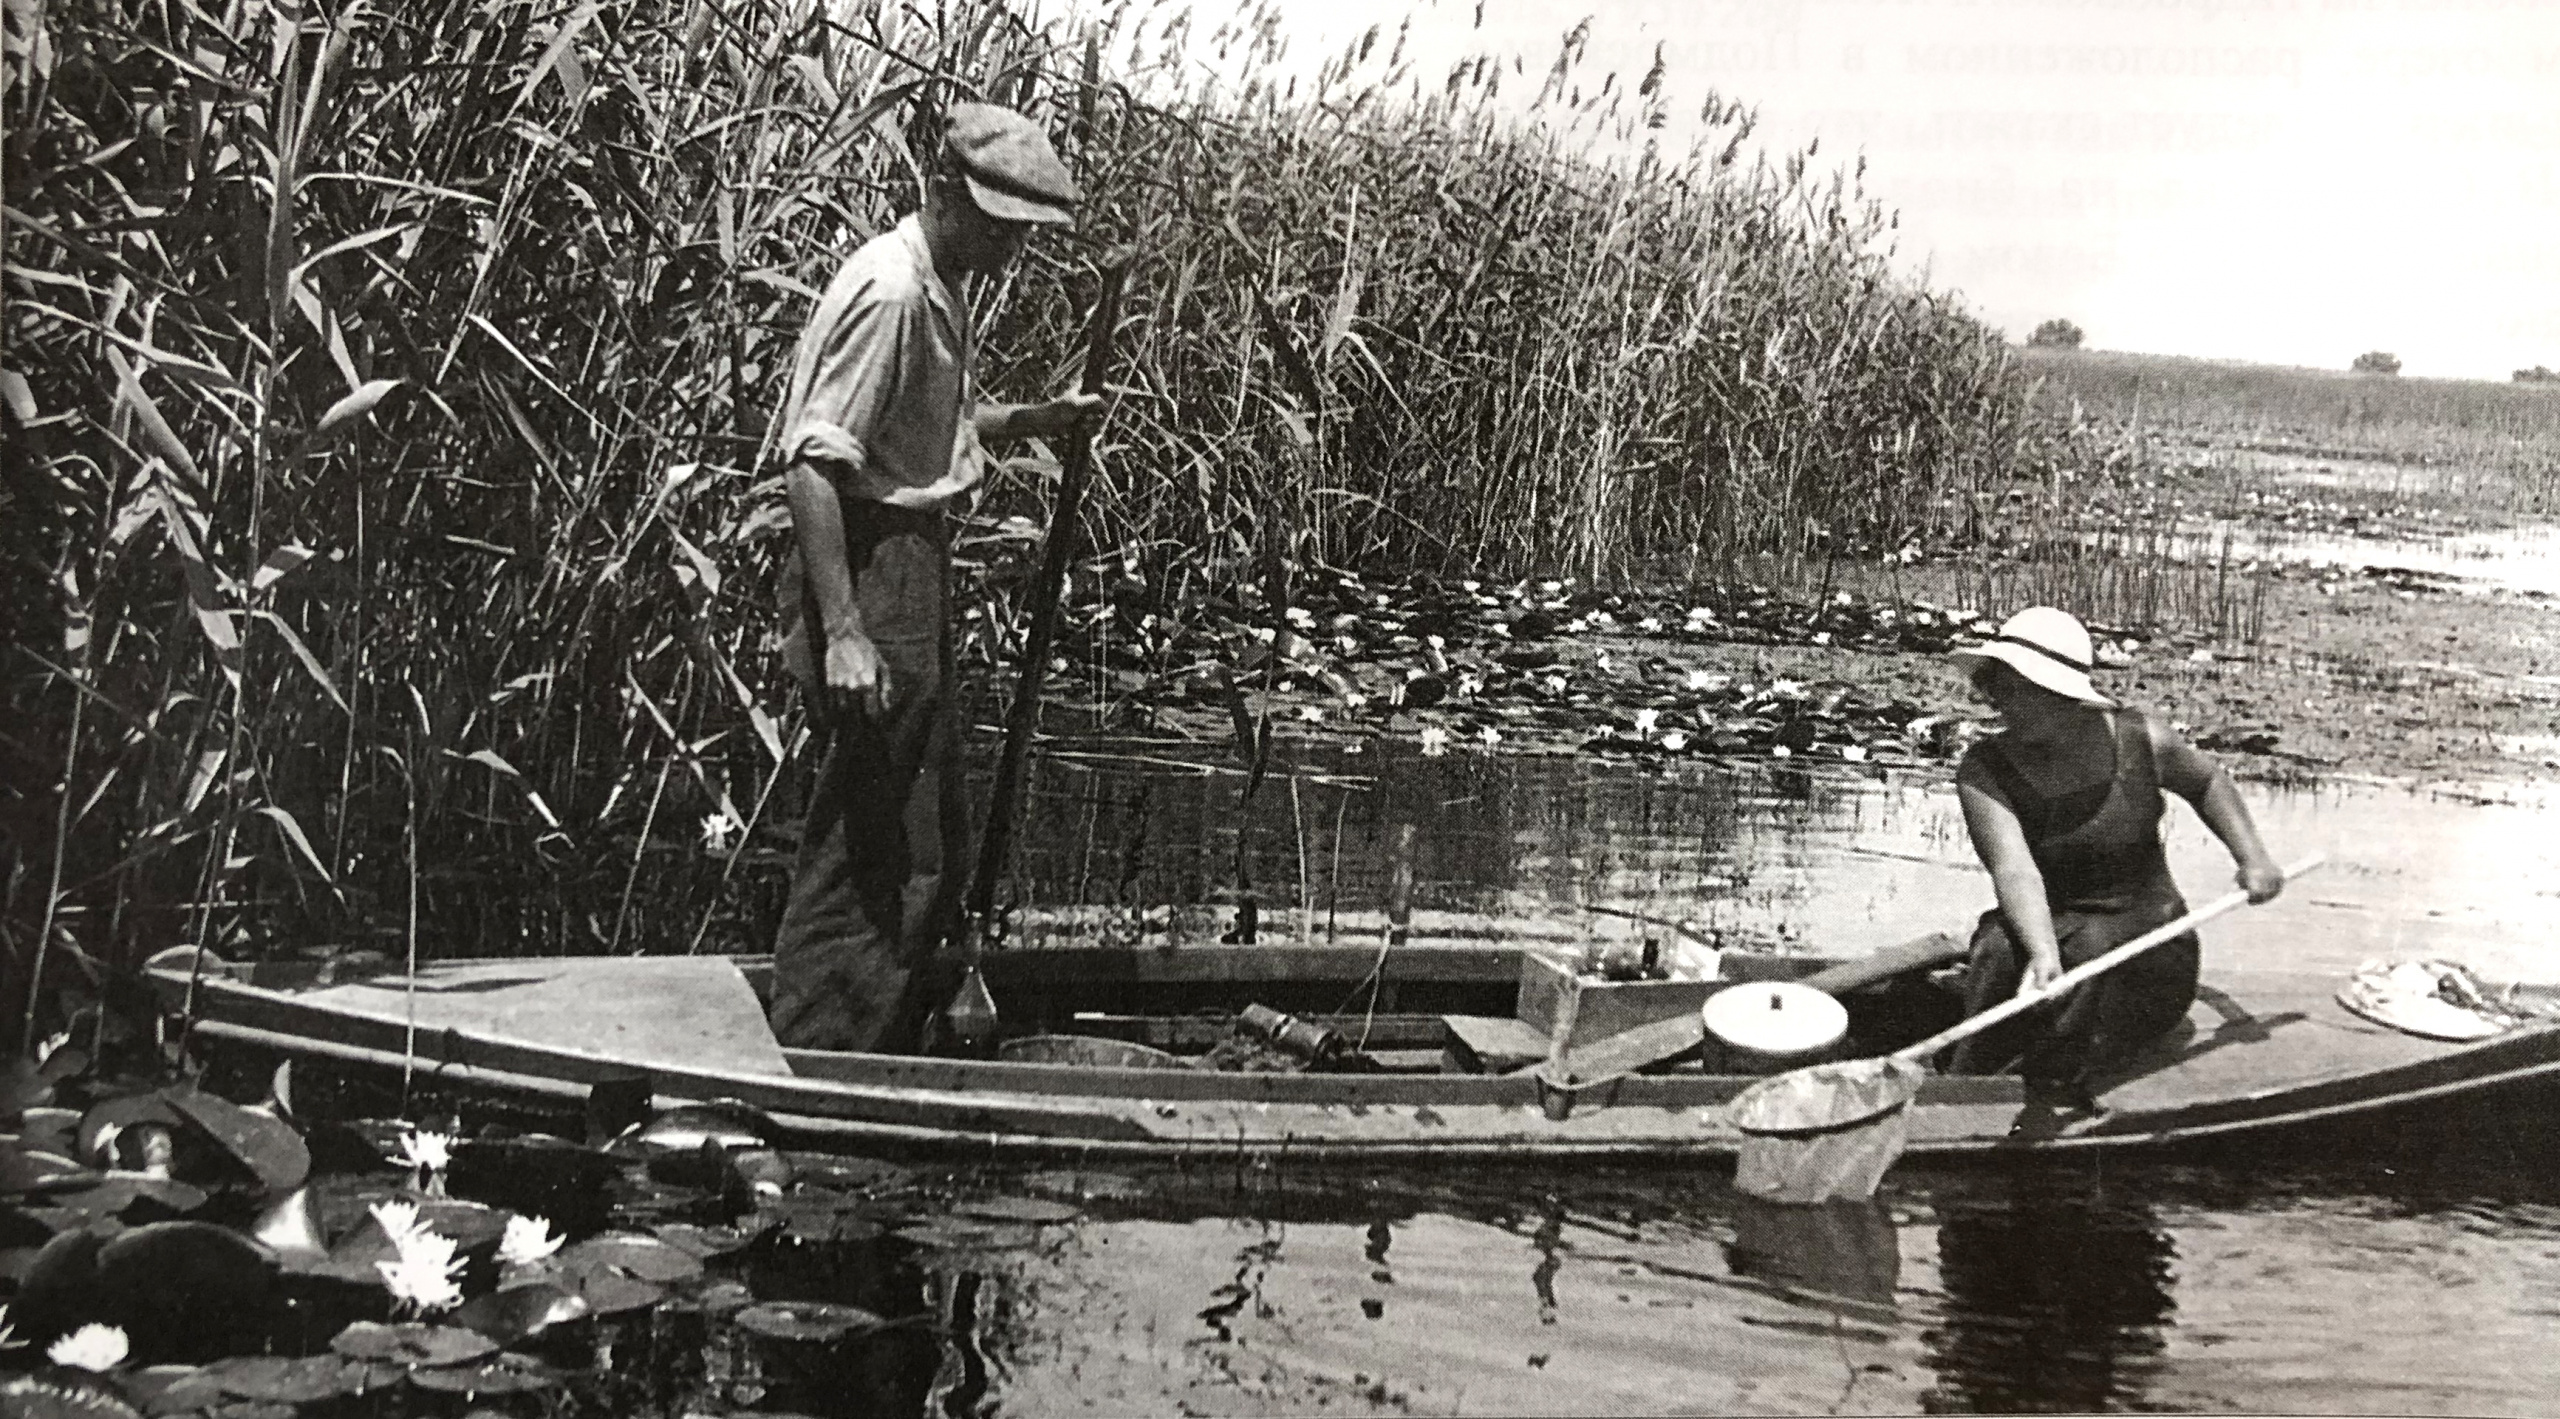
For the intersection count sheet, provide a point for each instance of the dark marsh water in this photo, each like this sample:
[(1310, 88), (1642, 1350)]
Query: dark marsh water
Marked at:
[(2413, 1269)]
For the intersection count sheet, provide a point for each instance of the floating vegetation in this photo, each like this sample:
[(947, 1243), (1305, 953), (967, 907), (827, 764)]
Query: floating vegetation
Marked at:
[(225, 1277)]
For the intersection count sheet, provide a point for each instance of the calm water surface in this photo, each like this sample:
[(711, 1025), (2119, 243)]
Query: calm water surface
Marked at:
[(2406, 1273)]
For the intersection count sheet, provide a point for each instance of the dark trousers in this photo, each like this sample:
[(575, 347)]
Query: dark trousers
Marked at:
[(875, 889), (2068, 1047)]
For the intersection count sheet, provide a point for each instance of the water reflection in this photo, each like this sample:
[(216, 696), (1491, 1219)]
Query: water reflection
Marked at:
[(2054, 1299), (1139, 842)]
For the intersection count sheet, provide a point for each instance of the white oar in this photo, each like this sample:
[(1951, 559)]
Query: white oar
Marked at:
[(1830, 1131)]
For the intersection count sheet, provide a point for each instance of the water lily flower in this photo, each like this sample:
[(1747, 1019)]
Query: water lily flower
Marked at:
[(430, 1154), (397, 1218), (1701, 614), (1468, 685), (1704, 679), (1646, 719), (1605, 664), (715, 832), (527, 1240), (8, 1333), (1301, 617), (1854, 753), (422, 1277), (91, 1347), (1312, 714), (1489, 736), (1675, 741), (1555, 684), (1435, 741), (1650, 625), (44, 1051), (1353, 699)]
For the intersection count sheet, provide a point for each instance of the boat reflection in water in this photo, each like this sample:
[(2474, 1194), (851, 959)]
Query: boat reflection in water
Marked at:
[(2057, 1299)]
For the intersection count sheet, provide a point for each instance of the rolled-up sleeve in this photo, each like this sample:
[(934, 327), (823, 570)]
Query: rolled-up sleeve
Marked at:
[(852, 362)]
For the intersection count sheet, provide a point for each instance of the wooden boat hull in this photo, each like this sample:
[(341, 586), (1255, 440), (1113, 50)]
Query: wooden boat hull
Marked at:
[(2264, 1051)]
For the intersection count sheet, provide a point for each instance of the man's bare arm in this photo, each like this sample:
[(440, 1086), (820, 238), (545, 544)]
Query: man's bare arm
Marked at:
[(850, 674)]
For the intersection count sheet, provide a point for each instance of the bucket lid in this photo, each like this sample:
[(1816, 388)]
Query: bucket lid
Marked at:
[(1778, 1019)]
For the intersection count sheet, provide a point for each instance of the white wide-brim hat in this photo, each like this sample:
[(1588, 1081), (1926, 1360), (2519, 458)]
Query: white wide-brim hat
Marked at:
[(2047, 646)]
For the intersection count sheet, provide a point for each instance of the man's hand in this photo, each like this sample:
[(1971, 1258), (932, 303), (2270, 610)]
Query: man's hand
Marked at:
[(2261, 879), (1055, 417), (857, 682), (2042, 971)]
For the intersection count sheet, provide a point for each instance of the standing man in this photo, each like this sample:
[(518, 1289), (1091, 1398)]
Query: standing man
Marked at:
[(881, 433)]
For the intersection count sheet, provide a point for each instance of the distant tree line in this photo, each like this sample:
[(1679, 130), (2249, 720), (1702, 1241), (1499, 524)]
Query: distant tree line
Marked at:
[(2376, 362), (2539, 374), (2058, 334)]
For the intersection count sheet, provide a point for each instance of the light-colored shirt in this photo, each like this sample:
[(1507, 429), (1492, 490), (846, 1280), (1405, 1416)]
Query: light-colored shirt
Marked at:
[(880, 389), (880, 398)]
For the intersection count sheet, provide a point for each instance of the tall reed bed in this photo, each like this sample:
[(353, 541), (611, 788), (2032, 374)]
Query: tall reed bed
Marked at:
[(2506, 436), (387, 537)]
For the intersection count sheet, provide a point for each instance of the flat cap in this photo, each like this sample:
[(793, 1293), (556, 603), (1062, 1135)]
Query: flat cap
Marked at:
[(1013, 173)]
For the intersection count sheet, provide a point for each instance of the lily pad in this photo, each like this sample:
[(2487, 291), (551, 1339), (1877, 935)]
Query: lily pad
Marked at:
[(412, 1343), (502, 1373), (513, 1313), (703, 1242), (60, 1393), (612, 1293), (152, 1387), (632, 1254), (814, 1322), (849, 1174), (104, 1123), (721, 1298), (1086, 1187), (26, 1170), (1019, 1209), (821, 1218), (962, 1234), (277, 1379), (271, 1151), (134, 1196)]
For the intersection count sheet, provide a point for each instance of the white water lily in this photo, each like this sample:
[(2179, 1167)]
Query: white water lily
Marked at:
[(1555, 684), (527, 1240), (1435, 741), (430, 1154), (1468, 685), (1704, 679), (715, 832), (398, 1219), (1312, 714), (1646, 719), (1675, 741), (8, 1333), (1489, 736), (91, 1347), (1650, 625), (423, 1276)]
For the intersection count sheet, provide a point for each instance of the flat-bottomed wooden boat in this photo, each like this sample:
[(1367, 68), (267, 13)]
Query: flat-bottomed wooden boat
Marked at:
[(2262, 1051)]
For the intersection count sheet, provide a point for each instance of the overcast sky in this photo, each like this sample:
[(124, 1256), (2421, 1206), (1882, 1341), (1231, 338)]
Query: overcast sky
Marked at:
[(2294, 181)]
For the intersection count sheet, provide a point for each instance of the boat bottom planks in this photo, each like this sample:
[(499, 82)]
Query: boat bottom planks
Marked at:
[(2261, 1052)]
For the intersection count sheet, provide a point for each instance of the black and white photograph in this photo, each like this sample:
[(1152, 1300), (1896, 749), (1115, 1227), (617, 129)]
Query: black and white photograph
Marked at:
[(980, 708)]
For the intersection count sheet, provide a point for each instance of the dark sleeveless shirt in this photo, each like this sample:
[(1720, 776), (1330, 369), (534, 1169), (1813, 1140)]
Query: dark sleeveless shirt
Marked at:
[(2098, 847)]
